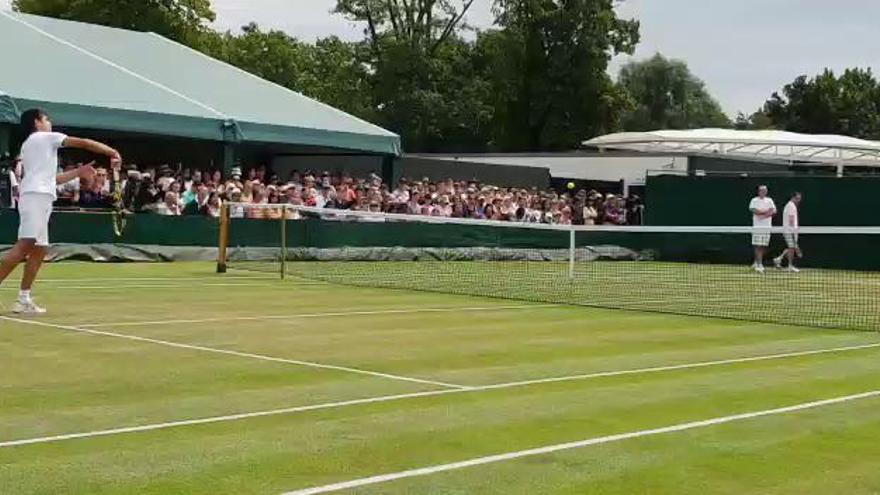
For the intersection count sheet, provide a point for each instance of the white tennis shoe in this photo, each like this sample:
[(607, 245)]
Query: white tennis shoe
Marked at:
[(28, 307)]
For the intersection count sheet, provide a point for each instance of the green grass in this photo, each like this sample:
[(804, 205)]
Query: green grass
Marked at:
[(815, 297), (56, 381)]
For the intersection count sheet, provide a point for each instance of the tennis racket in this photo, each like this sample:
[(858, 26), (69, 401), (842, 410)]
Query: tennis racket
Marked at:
[(118, 216)]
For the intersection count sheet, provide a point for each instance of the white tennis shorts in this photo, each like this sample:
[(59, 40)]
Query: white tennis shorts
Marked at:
[(761, 240), (34, 210), (791, 240)]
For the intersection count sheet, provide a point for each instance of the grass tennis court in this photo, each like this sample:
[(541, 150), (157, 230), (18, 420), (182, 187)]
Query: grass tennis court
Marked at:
[(165, 378), (825, 298)]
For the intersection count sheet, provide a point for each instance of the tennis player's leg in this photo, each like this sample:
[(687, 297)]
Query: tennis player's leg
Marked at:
[(760, 243), (14, 256), (792, 251), (32, 267), (34, 211), (786, 253)]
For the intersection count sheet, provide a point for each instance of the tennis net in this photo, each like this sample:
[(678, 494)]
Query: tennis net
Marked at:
[(697, 271)]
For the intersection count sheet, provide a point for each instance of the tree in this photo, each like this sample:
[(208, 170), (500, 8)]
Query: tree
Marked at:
[(272, 55), (424, 84), (422, 25), (339, 78), (754, 122), (180, 20), (327, 70), (666, 95), (548, 65), (827, 104)]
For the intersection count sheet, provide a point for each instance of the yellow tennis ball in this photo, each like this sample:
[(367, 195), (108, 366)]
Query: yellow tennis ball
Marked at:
[(571, 185)]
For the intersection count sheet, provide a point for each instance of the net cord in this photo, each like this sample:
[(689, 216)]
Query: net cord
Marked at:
[(330, 214)]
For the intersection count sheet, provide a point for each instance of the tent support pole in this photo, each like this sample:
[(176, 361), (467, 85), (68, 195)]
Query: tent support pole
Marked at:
[(228, 158), (390, 170)]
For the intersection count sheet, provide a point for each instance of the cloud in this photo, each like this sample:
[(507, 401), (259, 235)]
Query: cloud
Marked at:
[(747, 49)]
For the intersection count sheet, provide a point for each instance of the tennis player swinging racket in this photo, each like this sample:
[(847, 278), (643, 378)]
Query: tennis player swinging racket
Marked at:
[(39, 157)]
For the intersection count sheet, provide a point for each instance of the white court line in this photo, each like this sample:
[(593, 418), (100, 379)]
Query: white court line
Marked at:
[(391, 398), (158, 279), (155, 286), (319, 315), (236, 353), (549, 449)]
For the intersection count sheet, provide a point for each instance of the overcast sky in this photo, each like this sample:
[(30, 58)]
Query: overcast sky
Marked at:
[(743, 49)]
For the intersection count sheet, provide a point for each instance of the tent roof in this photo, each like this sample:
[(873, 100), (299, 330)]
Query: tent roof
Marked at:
[(774, 145), (104, 78)]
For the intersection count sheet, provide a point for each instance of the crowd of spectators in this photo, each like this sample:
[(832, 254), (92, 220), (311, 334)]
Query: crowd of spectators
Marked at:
[(166, 191)]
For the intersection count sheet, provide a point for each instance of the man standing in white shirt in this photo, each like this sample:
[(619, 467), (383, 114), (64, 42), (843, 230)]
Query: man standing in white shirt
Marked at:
[(763, 209), (791, 223), (40, 178)]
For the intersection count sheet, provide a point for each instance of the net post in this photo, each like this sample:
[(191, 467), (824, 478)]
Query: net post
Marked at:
[(223, 241), (571, 243), (283, 242)]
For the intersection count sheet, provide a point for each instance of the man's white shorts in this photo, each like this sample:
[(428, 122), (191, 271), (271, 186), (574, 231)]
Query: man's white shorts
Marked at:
[(791, 240), (761, 240), (34, 210)]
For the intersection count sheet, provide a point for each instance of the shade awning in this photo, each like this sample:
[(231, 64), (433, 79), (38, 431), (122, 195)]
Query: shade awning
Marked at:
[(96, 77), (771, 145)]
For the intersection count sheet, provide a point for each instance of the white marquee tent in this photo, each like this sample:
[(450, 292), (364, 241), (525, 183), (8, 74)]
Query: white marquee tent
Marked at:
[(804, 149)]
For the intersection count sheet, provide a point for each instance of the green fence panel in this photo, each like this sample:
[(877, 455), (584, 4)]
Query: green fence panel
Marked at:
[(171, 231), (91, 228), (691, 200), (329, 234)]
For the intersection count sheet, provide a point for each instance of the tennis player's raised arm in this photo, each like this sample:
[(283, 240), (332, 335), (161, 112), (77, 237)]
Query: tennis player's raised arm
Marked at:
[(94, 147)]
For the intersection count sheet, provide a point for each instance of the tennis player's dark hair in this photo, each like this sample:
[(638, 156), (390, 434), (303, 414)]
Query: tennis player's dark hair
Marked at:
[(29, 120), (796, 194)]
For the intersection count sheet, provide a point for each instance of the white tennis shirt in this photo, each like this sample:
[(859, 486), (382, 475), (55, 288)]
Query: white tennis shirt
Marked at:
[(759, 203), (39, 161), (791, 210)]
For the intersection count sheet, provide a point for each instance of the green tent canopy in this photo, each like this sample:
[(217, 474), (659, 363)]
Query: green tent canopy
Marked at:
[(95, 77)]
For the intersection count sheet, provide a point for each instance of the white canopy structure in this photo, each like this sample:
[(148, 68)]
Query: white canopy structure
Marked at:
[(804, 149)]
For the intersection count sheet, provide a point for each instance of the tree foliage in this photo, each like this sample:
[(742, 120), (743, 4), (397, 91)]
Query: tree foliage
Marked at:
[(422, 25), (754, 122), (422, 75), (828, 104), (180, 20), (666, 95), (328, 70), (548, 65)]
